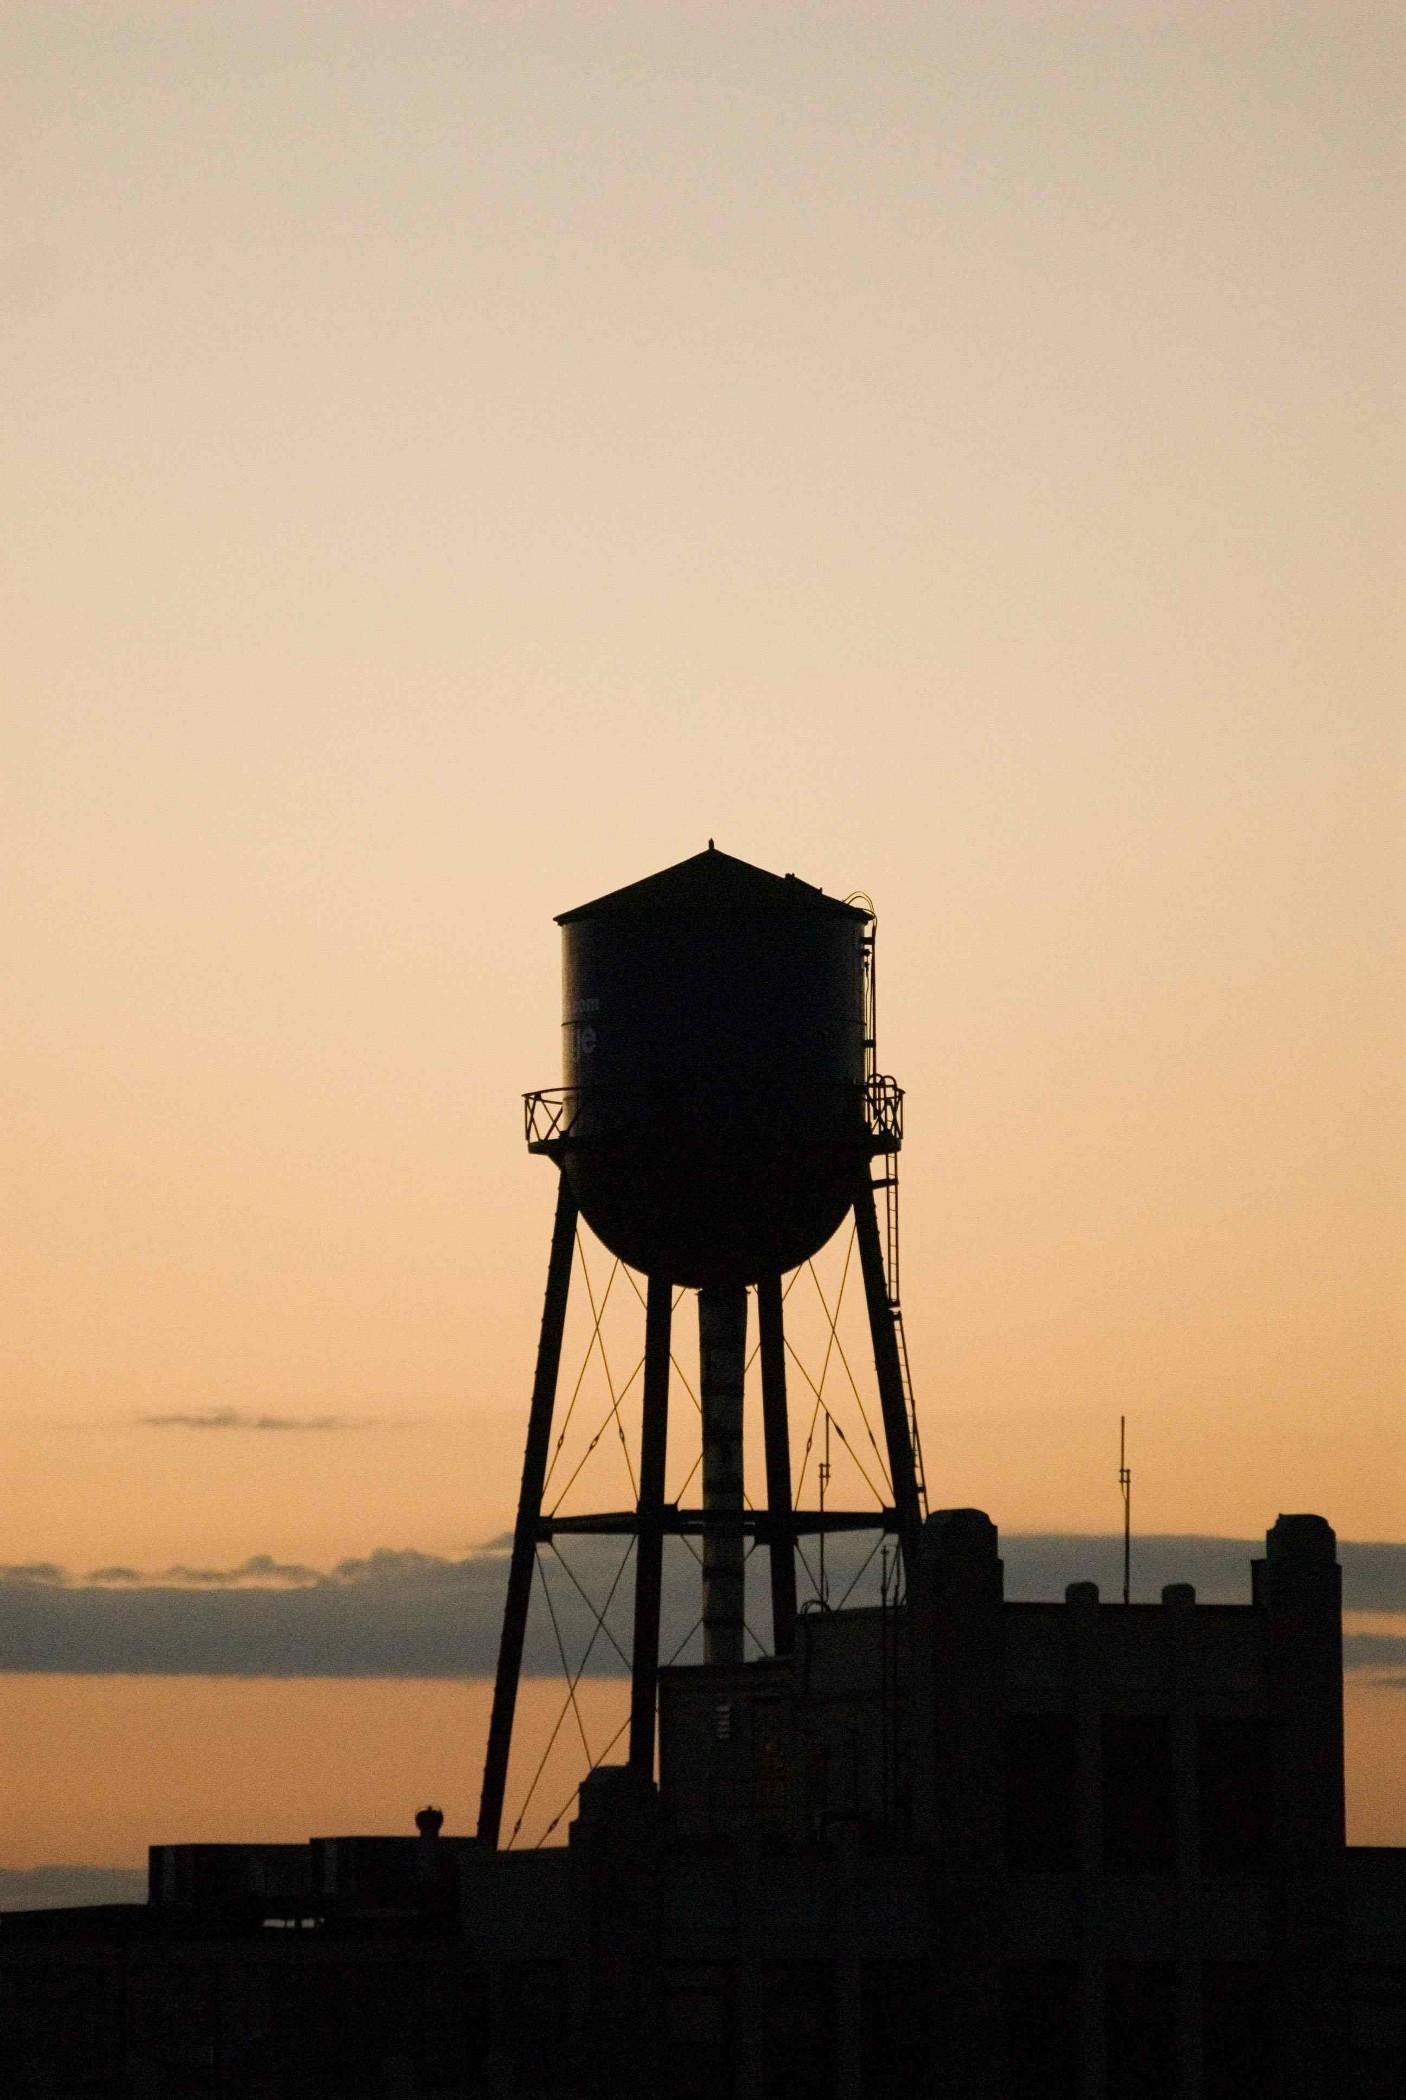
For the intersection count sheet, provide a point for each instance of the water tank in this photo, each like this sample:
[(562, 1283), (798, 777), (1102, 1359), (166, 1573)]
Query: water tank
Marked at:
[(713, 1031)]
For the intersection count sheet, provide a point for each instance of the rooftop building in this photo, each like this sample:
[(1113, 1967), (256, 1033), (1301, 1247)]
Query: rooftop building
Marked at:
[(952, 1845)]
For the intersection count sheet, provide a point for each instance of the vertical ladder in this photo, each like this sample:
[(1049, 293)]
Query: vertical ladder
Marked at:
[(889, 1184)]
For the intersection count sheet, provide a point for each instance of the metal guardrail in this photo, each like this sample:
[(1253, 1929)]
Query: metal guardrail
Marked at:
[(550, 1114), (883, 1111)]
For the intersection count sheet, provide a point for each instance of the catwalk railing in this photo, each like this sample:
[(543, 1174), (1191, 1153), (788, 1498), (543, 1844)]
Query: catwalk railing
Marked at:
[(553, 1116)]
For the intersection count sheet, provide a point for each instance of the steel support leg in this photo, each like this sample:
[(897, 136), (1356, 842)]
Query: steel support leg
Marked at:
[(782, 1540), (722, 1353), (529, 1511), (649, 1551), (897, 1433)]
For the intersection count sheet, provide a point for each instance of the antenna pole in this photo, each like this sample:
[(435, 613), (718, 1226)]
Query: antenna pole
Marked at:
[(1125, 1483), (824, 1473)]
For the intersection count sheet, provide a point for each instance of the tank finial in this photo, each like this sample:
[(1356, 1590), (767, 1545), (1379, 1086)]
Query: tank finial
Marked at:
[(711, 847)]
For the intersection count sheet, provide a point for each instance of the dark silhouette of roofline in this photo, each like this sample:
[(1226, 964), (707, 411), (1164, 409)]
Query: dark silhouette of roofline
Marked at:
[(713, 882)]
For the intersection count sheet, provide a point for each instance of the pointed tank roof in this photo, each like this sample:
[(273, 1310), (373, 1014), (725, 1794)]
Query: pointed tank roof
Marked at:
[(712, 882)]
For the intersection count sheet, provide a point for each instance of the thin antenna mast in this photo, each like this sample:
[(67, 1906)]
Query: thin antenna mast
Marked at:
[(824, 1472), (1125, 1483)]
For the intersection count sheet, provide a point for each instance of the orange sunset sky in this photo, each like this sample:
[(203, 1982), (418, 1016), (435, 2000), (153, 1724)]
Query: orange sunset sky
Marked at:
[(462, 456)]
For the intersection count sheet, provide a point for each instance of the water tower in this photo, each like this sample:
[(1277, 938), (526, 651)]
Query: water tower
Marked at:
[(720, 1117)]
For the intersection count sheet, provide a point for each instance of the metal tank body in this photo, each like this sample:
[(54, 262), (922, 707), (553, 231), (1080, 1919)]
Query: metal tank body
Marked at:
[(714, 1062)]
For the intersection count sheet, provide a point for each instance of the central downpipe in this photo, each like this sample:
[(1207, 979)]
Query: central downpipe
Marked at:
[(722, 1363)]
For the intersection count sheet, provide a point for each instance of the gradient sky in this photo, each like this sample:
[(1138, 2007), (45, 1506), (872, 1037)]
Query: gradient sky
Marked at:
[(461, 457)]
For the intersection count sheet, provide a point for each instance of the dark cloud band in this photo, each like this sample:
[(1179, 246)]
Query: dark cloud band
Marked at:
[(56, 1887), (408, 1614)]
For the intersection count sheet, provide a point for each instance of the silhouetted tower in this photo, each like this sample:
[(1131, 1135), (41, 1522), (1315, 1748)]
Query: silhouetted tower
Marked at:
[(720, 1117)]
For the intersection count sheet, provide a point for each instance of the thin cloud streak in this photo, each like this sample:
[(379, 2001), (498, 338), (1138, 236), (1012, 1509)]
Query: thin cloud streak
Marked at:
[(238, 1418), (1375, 1651)]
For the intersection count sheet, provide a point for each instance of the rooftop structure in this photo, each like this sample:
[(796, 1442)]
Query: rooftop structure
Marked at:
[(1071, 1850), (945, 1845)]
